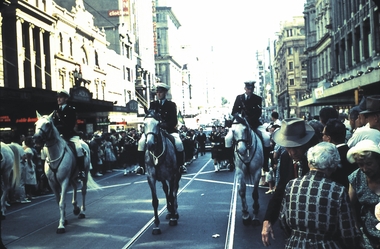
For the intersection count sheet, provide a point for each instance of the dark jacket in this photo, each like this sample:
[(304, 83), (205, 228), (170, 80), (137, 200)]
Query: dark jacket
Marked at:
[(168, 113), (65, 121), (251, 108), (341, 174), (286, 174)]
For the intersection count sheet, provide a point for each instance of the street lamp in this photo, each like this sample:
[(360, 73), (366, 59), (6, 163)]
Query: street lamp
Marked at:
[(77, 77)]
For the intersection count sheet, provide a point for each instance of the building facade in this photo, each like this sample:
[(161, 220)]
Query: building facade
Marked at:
[(343, 57), (290, 71)]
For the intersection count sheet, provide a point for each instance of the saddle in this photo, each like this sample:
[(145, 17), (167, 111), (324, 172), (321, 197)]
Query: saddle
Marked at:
[(169, 136)]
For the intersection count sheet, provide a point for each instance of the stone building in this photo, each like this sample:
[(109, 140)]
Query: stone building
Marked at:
[(343, 53), (290, 71)]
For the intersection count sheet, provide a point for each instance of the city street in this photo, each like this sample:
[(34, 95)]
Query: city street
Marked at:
[(120, 215)]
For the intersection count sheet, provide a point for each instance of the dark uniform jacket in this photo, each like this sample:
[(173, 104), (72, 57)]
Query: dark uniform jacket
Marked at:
[(168, 113), (65, 121), (251, 108), (341, 174)]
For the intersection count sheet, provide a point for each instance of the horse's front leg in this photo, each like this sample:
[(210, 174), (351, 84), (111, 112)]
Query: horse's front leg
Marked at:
[(242, 190), (62, 207), (255, 197), (173, 201), (152, 184)]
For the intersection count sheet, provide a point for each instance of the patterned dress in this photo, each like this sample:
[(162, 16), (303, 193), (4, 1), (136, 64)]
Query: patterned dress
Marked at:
[(316, 213), (367, 202)]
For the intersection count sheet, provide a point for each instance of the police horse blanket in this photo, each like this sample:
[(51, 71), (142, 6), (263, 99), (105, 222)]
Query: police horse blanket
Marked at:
[(161, 165), (248, 159), (60, 167), (10, 171)]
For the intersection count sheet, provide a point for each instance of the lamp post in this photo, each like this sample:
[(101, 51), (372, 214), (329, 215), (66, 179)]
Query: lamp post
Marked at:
[(77, 77)]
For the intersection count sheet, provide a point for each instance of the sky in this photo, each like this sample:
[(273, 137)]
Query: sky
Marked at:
[(235, 30)]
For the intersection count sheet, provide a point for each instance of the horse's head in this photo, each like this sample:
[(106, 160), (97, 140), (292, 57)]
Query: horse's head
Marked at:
[(44, 128), (241, 133), (151, 128)]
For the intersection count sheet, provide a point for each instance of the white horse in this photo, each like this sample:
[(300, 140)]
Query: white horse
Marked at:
[(161, 165), (60, 167), (249, 159), (10, 164)]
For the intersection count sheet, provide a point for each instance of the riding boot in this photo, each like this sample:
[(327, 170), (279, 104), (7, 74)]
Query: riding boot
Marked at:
[(141, 160), (180, 161), (80, 165), (266, 158)]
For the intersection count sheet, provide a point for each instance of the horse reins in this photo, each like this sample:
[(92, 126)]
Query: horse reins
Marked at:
[(163, 147)]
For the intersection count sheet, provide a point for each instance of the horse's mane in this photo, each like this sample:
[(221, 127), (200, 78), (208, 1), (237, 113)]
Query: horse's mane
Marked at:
[(153, 114), (240, 119)]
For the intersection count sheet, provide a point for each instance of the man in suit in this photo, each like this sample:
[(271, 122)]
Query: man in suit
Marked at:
[(249, 105), (168, 112), (65, 119), (296, 136), (201, 139)]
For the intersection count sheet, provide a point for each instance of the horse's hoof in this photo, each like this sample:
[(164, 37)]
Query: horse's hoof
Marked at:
[(60, 230), (156, 231), (76, 211), (255, 222), (247, 222), (81, 216), (173, 222)]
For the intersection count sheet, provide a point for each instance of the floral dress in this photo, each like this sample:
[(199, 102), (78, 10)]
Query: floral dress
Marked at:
[(367, 201)]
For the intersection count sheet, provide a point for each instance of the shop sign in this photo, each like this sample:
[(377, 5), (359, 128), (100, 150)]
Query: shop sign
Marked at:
[(132, 106), (81, 94), (5, 119), (26, 120)]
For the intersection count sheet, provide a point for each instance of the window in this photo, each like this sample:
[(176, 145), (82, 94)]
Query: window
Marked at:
[(291, 82), (290, 51), (289, 33), (291, 66), (60, 43)]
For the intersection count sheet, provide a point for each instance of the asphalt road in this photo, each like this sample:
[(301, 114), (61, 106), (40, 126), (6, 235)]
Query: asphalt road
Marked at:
[(120, 215)]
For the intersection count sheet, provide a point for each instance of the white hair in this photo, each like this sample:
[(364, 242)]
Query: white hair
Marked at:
[(324, 156)]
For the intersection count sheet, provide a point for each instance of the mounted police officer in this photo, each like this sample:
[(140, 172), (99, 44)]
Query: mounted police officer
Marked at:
[(168, 112), (249, 105), (65, 119)]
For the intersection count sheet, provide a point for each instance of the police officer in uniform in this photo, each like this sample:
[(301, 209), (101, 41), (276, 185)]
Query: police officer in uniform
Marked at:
[(168, 112), (249, 105), (65, 119)]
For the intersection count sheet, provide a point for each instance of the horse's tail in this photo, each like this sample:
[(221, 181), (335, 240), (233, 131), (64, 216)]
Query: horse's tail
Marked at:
[(91, 184), (16, 165)]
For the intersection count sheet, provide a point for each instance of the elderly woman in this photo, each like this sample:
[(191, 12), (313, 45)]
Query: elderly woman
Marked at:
[(316, 210), (364, 189)]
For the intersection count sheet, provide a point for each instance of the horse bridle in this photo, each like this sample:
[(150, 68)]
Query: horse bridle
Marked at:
[(248, 143), (156, 139)]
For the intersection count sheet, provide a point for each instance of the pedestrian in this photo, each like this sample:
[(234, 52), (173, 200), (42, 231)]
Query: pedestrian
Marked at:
[(335, 132), (315, 210), (364, 190), (109, 155), (168, 112), (326, 113), (201, 138), (296, 136), (96, 154), (30, 169), (215, 139), (372, 116)]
